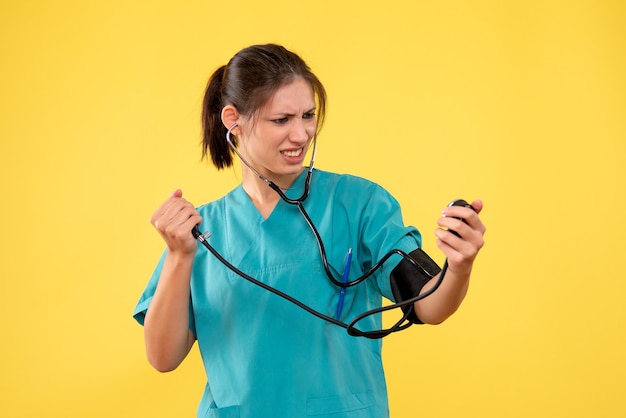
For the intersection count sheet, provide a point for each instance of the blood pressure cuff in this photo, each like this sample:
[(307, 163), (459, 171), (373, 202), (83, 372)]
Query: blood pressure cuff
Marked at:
[(407, 280)]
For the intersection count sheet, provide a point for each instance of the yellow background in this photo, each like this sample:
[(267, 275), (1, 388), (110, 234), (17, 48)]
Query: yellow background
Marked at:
[(520, 103)]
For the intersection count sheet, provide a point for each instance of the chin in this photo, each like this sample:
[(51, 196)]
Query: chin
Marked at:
[(291, 171)]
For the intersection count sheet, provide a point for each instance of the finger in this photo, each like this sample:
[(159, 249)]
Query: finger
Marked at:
[(449, 244), (458, 212), (457, 261), (178, 235), (467, 215), (447, 236), (193, 220), (477, 205), (176, 194), (175, 215), (456, 226), (456, 249), (182, 215), (448, 226), (474, 220), (166, 212), (177, 232)]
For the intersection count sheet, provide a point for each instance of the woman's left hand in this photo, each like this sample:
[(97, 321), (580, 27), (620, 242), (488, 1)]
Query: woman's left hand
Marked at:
[(461, 250)]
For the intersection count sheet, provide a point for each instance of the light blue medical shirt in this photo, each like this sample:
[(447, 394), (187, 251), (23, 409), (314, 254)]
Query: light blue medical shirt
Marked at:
[(265, 357)]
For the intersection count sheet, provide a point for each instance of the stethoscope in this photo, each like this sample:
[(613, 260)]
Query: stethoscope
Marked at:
[(402, 324)]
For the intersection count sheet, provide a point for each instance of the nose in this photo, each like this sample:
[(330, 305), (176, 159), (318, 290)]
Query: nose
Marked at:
[(302, 131)]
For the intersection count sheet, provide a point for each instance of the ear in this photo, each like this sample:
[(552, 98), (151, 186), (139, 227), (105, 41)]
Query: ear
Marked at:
[(230, 116)]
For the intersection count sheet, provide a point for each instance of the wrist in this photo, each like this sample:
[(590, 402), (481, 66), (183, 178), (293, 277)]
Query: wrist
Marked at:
[(180, 257)]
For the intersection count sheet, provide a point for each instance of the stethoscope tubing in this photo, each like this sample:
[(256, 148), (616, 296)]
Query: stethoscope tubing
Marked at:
[(298, 202), (351, 328)]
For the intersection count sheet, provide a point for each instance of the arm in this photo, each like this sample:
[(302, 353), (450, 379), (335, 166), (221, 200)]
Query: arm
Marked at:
[(166, 327), (460, 253)]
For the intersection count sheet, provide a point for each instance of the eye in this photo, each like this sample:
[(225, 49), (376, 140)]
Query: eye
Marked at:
[(280, 121), (309, 115)]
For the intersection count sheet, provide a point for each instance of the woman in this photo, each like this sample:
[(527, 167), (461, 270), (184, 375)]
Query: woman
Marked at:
[(264, 356)]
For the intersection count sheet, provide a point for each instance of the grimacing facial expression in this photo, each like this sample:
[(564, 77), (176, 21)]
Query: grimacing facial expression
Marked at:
[(276, 141)]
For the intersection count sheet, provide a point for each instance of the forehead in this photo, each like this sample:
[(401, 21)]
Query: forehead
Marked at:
[(295, 96)]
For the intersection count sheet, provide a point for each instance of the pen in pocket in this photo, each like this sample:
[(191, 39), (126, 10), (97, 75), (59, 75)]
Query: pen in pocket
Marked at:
[(346, 275)]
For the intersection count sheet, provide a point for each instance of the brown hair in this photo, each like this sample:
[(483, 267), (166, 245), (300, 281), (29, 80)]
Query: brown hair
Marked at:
[(247, 82)]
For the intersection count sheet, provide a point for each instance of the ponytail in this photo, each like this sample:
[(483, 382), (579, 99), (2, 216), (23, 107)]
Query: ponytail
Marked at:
[(213, 130)]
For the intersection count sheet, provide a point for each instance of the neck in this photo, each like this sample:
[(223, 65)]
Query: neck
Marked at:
[(258, 189)]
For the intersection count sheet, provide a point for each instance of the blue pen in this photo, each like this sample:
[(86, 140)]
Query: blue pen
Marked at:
[(346, 274)]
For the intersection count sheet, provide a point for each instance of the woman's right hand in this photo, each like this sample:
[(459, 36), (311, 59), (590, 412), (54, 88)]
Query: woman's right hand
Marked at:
[(174, 220)]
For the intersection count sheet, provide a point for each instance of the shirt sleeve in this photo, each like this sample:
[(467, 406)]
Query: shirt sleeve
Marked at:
[(146, 297), (382, 230)]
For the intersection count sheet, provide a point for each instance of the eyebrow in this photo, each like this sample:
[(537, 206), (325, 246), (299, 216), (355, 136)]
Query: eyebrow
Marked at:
[(313, 109)]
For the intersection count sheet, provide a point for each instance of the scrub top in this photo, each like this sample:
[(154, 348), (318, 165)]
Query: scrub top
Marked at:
[(264, 356)]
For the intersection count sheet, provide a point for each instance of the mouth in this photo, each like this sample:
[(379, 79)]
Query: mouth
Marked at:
[(292, 152)]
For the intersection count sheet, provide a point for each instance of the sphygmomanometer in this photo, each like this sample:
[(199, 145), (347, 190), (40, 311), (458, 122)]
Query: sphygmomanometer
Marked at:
[(407, 279)]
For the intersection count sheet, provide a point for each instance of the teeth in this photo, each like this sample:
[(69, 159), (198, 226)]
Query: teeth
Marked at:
[(292, 153)]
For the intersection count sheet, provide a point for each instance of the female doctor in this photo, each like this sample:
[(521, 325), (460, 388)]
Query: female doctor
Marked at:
[(263, 355)]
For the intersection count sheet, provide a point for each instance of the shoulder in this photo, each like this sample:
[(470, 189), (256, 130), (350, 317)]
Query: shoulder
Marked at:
[(219, 206), (349, 186), (345, 181)]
